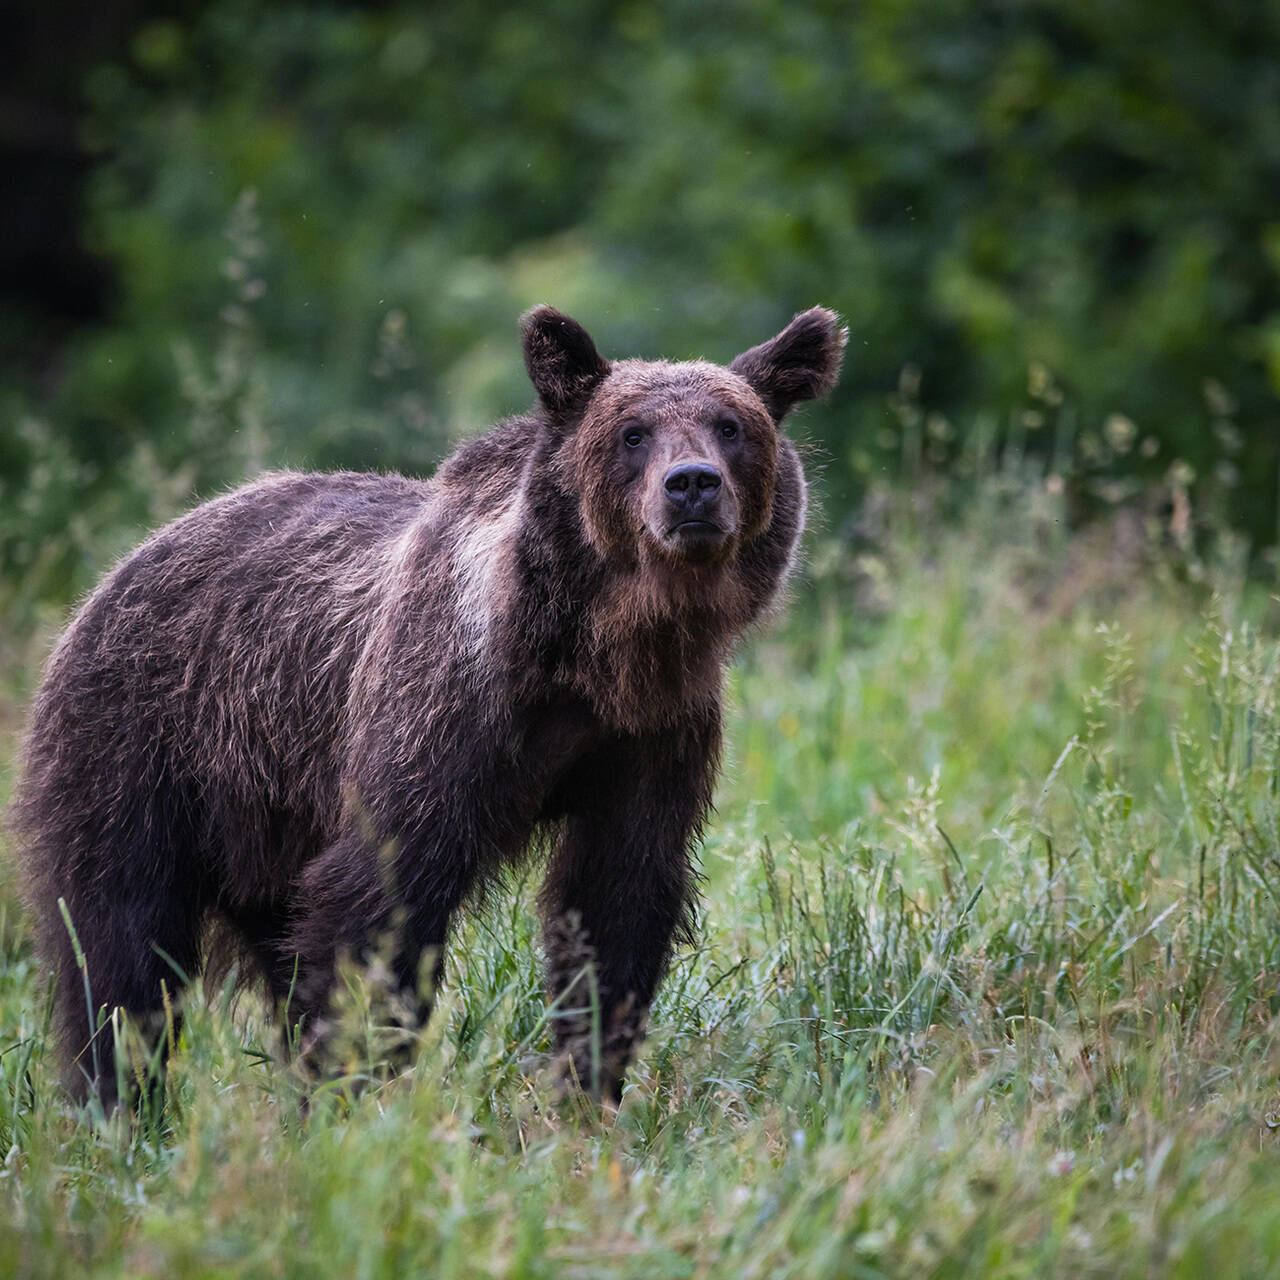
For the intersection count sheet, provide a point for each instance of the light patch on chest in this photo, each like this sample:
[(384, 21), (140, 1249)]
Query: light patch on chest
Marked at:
[(482, 564)]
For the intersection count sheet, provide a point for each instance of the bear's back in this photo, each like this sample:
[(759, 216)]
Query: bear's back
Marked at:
[(255, 558), (219, 651)]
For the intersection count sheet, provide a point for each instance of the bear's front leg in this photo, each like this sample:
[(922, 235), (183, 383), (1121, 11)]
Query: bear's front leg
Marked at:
[(393, 897), (621, 891)]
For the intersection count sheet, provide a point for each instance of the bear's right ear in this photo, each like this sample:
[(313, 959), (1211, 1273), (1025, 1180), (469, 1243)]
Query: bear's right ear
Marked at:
[(563, 363), (800, 363)]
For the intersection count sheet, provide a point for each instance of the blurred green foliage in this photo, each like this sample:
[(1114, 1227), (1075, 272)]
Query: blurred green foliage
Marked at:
[(325, 221)]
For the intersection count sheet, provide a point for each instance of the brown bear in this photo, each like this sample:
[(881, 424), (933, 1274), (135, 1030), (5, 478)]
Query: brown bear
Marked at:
[(325, 709)]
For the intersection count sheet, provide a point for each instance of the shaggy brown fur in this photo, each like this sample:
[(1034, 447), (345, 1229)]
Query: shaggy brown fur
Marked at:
[(325, 707)]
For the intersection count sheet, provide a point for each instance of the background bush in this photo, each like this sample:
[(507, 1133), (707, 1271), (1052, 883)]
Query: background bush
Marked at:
[(1060, 213)]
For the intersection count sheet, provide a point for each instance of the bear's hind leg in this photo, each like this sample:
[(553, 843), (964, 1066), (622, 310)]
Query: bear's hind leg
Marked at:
[(131, 945)]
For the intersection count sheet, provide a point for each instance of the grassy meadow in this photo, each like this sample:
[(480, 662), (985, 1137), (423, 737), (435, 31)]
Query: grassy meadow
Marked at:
[(987, 981)]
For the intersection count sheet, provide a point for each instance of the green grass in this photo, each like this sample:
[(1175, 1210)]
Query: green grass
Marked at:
[(987, 984)]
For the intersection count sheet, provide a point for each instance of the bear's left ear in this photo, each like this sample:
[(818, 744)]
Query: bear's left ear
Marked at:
[(801, 363), (563, 363)]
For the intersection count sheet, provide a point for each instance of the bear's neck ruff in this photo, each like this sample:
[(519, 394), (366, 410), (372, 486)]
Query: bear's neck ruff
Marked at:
[(655, 642)]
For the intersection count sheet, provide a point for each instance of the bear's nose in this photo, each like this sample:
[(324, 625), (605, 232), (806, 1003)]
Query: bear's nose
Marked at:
[(691, 483)]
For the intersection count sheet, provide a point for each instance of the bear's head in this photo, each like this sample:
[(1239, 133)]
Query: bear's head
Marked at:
[(674, 463)]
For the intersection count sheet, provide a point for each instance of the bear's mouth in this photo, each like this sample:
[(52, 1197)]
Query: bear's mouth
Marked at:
[(697, 539)]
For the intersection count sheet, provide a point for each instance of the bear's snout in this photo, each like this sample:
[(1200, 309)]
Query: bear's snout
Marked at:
[(693, 490), (698, 520)]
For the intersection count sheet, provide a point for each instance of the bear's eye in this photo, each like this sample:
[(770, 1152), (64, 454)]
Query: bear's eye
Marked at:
[(729, 429), (632, 438)]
